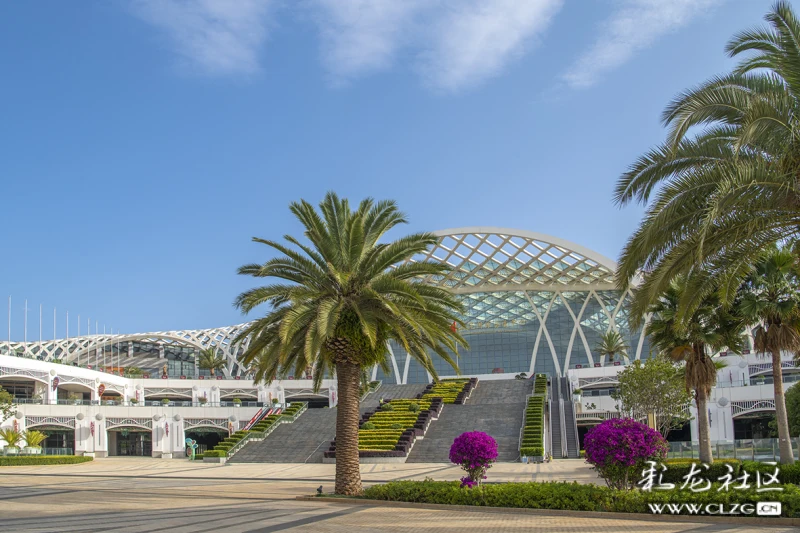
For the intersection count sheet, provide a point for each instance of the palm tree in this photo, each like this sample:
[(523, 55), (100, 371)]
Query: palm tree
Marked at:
[(210, 360), (771, 302), (611, 343), (711, 327), (344, 298), (33, 438), (723, 194), (12, 437)]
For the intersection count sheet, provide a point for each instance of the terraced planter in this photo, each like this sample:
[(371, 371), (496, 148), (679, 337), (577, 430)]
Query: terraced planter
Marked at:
[(532, 436), (383, 441)]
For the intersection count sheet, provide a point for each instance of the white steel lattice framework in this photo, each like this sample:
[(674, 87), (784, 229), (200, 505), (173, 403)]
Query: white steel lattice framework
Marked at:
[(556, 296), (83, 349)]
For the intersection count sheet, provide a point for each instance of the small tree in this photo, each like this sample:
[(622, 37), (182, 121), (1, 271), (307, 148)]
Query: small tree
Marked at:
[(209, 360), (5, 405), (792, 398), (474, 451), (611, 343), (656, 387), (619, 450)]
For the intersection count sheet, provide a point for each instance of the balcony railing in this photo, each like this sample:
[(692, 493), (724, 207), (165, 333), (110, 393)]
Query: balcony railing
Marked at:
[(744, 449), (147, 403)]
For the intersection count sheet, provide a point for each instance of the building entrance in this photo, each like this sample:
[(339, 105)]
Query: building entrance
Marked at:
[(130, 443)]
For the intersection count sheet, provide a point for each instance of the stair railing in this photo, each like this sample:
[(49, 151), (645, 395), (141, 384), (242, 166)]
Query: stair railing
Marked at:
[(261, 435)]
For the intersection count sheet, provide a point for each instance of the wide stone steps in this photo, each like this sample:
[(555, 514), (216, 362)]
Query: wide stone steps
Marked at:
[(302, 441), (306, 439), (496, 407)]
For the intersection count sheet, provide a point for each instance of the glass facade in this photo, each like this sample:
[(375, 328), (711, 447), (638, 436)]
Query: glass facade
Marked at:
[(519, 331)]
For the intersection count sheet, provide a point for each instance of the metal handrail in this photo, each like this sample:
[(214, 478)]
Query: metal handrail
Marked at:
[(261, 435)]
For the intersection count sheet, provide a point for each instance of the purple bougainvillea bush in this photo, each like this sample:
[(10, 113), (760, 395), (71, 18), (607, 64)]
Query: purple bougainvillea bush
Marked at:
[(620, 448), (474, 451)]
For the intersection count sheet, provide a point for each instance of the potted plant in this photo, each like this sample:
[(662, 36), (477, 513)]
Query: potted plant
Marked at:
[(12, 438), (33, 441), (165, 401), (202, 400), (576, 395), (133, 401), (237, 402), (275, 401)]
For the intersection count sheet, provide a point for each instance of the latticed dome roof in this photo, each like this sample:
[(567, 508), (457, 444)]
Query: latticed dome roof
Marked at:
[(496, 259)]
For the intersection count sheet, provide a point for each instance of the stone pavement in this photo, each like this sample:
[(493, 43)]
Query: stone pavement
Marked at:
[(562, 470), (128, 504), (131, 495)]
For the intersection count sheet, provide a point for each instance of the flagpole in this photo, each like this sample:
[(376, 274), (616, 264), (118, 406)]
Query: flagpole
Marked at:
[(67, 333), (79, 341), (9, 325)]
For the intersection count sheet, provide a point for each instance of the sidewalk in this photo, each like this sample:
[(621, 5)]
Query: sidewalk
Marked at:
[(563, 470)]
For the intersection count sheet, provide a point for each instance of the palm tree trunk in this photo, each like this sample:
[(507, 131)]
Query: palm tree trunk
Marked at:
[(348, 473), (784, 439), (703, 429)]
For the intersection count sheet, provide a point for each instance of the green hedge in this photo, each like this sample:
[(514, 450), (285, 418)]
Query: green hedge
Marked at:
[(30, 460), (569, 496), (786, 473), (677, 469), (533, 432), (215, 453), (446, 390), (540, 384)]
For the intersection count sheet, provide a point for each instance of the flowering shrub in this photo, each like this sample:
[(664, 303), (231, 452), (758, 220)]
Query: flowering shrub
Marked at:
[(619, 449), (474, 451)]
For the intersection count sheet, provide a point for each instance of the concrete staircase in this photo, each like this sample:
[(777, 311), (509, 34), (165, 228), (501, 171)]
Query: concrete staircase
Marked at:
[(302, 441), (307, 438), (496, 407)]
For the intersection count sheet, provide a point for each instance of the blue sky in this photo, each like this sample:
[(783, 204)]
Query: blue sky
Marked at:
[(144, 143)]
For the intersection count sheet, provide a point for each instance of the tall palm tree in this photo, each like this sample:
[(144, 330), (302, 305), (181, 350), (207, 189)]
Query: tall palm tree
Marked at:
[(210, 360), (343, 299), (611, 343), (723, 194), (771, 302), (711, 327)]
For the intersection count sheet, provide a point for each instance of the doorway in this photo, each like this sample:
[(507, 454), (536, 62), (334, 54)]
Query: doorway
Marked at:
[(132, 442)]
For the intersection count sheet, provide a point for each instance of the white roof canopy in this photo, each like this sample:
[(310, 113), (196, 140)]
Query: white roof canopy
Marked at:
[(496, 259)]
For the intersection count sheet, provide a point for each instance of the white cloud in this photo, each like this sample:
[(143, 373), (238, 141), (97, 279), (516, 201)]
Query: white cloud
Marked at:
[(475, 40), (634, 26), (359, 36), (214, 36), (456, 44)]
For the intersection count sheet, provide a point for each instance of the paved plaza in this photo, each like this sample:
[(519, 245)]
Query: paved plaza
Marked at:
[(132, 495)]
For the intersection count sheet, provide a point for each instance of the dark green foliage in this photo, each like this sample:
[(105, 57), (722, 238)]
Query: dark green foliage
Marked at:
[(413, 407), (568, 496), (215, 453), (29, 460), (786, 474), (387, 407), (677, 469), (368, 425)]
